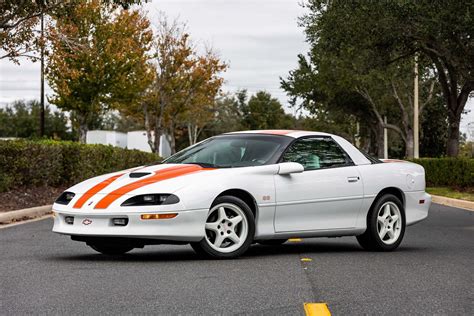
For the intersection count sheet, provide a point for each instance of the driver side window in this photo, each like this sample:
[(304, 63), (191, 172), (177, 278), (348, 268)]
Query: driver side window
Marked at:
[(317, 153)]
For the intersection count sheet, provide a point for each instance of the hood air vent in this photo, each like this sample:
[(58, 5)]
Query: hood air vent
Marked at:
[(138, 174)]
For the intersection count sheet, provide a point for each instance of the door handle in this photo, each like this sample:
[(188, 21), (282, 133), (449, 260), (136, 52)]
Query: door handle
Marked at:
[(353, 179)]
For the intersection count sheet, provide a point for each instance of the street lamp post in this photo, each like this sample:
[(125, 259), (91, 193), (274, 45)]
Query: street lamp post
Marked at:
[(416, 141), (42, 77)]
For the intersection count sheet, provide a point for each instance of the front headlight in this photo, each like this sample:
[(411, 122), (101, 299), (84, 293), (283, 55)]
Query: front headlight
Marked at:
[(65, 198), (151, 199)]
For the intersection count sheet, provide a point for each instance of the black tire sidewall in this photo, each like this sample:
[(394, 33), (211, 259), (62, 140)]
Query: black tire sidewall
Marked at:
[(203, 247), (372, 222)]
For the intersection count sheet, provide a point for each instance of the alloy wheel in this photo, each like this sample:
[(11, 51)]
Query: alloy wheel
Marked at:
[(389, 223), (226, 227)]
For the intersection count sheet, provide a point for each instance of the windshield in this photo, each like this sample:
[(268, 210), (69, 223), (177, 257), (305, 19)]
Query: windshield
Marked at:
[(229, 151)]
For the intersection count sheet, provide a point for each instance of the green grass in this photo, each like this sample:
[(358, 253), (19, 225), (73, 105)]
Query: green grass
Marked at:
[(466, 194)]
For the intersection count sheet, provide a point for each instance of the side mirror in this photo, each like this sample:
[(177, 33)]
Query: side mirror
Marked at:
[(290, 167)]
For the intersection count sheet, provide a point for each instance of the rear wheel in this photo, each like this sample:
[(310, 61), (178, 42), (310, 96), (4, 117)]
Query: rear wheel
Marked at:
[(109, 249), (230, 228), (272, 242), (385, 225)]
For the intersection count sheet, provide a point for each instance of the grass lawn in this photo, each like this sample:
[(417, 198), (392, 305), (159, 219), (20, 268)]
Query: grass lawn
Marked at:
[(467, 194)]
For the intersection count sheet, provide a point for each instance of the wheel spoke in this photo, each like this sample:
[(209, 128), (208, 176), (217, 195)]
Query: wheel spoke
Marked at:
[(382, 232), (381, 220), (395, 218), (218, 241), (386, 210), (222, 214), (235, 220), (390, 233), (233, 236), (212, 226)]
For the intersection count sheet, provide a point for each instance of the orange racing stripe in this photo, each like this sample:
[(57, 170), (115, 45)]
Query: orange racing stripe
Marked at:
[(160, 175), (96, 188)]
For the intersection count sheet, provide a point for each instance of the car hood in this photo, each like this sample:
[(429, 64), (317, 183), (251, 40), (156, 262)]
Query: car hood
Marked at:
[(101, 192)]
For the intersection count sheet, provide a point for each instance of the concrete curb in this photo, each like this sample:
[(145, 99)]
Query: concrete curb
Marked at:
[(467, 205), (25, 213)]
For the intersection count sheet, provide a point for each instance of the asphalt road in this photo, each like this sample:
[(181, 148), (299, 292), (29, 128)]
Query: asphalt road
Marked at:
[(431, 273)]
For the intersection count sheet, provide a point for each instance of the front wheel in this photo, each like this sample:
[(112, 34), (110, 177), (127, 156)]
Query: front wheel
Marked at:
[(230, 228), (385, 225)]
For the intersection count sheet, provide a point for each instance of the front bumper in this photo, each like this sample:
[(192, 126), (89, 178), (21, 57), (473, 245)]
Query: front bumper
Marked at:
[(187, 226)]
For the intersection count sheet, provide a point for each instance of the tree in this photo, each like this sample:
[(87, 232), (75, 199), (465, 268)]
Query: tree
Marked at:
[(19, 20), (398, 30), (199, 105), (184, 88), (264, 112), (20, 120), (99, 61)]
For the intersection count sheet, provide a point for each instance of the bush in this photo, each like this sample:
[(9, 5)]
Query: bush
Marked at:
[(453, 172), (54, 163)]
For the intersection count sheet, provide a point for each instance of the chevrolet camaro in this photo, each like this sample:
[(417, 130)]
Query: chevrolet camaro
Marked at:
[(232, 190)]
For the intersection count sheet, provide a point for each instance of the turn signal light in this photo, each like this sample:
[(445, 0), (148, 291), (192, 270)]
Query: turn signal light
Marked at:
[(159, 216)]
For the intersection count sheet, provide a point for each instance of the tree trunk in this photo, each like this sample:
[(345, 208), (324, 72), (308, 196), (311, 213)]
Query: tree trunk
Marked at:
[(452, 149), (456, 96), (409, 144), (172, 138), (82, 128), (379, 142), (148, 128)]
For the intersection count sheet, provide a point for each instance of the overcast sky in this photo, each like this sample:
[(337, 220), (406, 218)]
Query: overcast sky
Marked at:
[(259, 39)]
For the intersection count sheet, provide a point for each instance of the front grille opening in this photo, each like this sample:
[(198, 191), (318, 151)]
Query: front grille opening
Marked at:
[(69, 220), (120, 221)]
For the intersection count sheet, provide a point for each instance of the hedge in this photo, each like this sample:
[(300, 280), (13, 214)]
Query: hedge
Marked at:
[(453, 172), (54, 163), (60, 163)]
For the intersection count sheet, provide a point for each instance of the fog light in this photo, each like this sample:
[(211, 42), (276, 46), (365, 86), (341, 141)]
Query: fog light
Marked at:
[(120, 221), (159, 216), (69, 220)]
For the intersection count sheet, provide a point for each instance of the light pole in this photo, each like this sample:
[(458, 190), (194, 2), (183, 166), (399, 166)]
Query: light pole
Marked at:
[(42, 77), (385, 139), (416, 141)]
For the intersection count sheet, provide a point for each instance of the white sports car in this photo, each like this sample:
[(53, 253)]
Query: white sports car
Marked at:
[(231, 190)]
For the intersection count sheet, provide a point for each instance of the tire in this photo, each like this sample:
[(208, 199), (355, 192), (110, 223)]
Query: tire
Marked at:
[(230, 218), (111, 250), (272, 242), (385, 225)]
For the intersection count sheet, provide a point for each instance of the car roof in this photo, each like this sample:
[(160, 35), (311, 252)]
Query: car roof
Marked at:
[(285, 132)]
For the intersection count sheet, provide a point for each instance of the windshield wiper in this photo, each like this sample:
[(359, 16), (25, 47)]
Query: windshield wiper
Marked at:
[(206, 165)]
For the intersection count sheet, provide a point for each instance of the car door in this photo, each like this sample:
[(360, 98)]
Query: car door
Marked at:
[(327, 195)]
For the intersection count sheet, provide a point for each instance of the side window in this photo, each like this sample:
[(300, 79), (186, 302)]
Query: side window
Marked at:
[(317, 153)]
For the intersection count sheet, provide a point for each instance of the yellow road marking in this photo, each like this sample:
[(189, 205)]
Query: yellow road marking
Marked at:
[(294, 239), (306, 259), (316, 309)]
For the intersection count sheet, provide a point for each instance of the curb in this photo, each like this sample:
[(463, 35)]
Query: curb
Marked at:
[(467, 205), (25, 213)]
